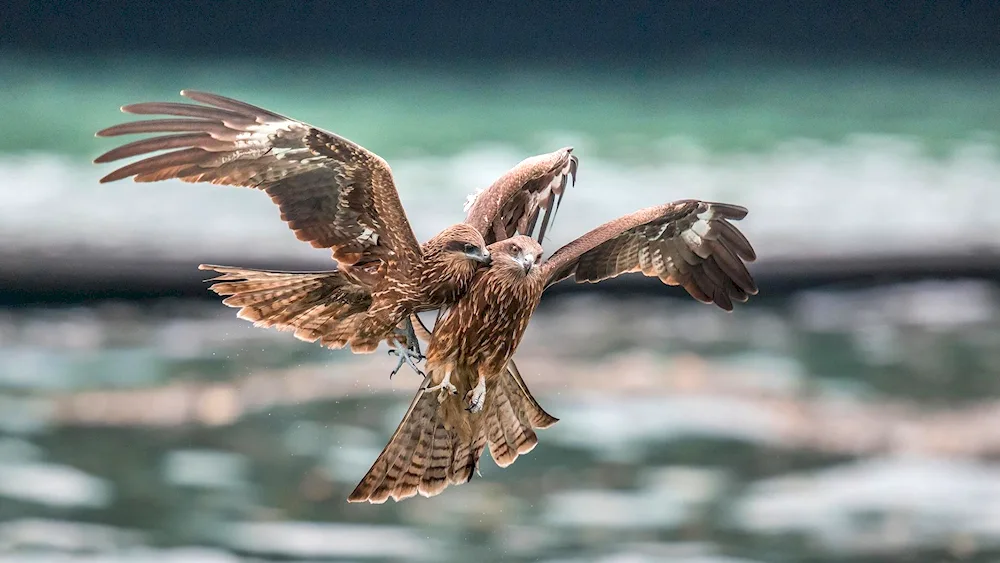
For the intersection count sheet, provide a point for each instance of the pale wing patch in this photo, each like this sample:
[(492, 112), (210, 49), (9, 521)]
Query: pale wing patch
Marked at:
[(471, 200)]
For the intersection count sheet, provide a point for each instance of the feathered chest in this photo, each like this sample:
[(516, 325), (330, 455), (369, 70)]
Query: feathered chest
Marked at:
[(488, 323), (443, 282)]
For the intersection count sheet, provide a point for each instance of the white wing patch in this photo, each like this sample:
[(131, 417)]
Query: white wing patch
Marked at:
[(696, 235), (701, 228), (471, 200), (368, 236)]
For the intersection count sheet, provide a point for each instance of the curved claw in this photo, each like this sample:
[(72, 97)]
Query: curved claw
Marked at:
[(476, 397), (406, 357)]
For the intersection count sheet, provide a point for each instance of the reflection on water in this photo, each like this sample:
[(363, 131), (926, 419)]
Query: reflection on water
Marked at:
[(838, 424)]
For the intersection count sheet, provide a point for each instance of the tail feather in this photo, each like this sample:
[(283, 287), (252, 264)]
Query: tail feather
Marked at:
[(410, 463), (323, 306), (465, 458), (438, 443), (508, 429), (403, 474), (535, 413)]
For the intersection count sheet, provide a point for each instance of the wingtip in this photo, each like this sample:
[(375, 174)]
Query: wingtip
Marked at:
[(356, 498), (105, 158), (361, 493)]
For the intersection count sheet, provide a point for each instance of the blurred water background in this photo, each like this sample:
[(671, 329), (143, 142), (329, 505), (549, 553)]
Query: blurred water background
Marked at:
[(835, 422)]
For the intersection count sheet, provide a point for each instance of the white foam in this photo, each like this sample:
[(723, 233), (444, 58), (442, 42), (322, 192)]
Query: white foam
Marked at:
[(870, 194)]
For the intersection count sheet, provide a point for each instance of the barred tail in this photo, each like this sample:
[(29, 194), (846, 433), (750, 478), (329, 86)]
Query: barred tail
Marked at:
[(536, 415), (318, 306), (438, 443), (419, 457)]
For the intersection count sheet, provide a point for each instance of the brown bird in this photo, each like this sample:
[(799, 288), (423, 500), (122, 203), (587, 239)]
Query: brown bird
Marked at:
[(334, 194), (440, 439)]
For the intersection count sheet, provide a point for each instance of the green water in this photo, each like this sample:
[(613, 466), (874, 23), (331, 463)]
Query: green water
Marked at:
[(55, 105), (828, 425)]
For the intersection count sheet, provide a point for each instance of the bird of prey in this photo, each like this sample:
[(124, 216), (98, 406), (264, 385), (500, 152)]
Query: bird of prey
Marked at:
[(334, 194), (468, 401)]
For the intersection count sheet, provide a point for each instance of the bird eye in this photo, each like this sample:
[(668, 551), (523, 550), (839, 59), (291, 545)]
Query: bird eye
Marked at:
[(469, 247)]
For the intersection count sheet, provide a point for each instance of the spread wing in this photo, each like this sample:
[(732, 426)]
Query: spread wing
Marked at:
[(323, 306), (688, 243), (332, 192), (531, 190)]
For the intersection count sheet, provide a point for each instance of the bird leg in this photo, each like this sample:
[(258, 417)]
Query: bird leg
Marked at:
[(409, 354), (476, 397), (445, 385), (406, 356)]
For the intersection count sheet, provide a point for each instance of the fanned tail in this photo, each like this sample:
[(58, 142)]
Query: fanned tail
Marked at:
[(420, 455), (318, 306), (438, 443)]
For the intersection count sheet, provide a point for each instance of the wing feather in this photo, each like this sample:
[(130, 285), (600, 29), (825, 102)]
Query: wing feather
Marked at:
[(332, 192), (323, 306), (524, 198), (689, 243)]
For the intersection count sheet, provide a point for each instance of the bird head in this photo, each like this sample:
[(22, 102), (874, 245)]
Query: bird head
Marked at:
[(464, 243), (520, 255)]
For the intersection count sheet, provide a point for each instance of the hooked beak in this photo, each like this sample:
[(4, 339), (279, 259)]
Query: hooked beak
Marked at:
[(527, 261), (482, 256)]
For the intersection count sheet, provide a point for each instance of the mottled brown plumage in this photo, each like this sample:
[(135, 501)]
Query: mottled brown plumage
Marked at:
[(689, 243), (335, 308), (439, 442), (333, 194), (514, 203)]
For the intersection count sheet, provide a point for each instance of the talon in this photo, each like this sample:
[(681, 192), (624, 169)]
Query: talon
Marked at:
[(406, 356), (445, 391), (445, 385), (476, 397)]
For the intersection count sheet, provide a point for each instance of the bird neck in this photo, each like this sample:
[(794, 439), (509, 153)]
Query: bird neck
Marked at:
[(445, 277)]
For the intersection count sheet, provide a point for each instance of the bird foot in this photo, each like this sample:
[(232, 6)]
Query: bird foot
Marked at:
[(476, 397), (408, 357), (444, 388), (410, 336)]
